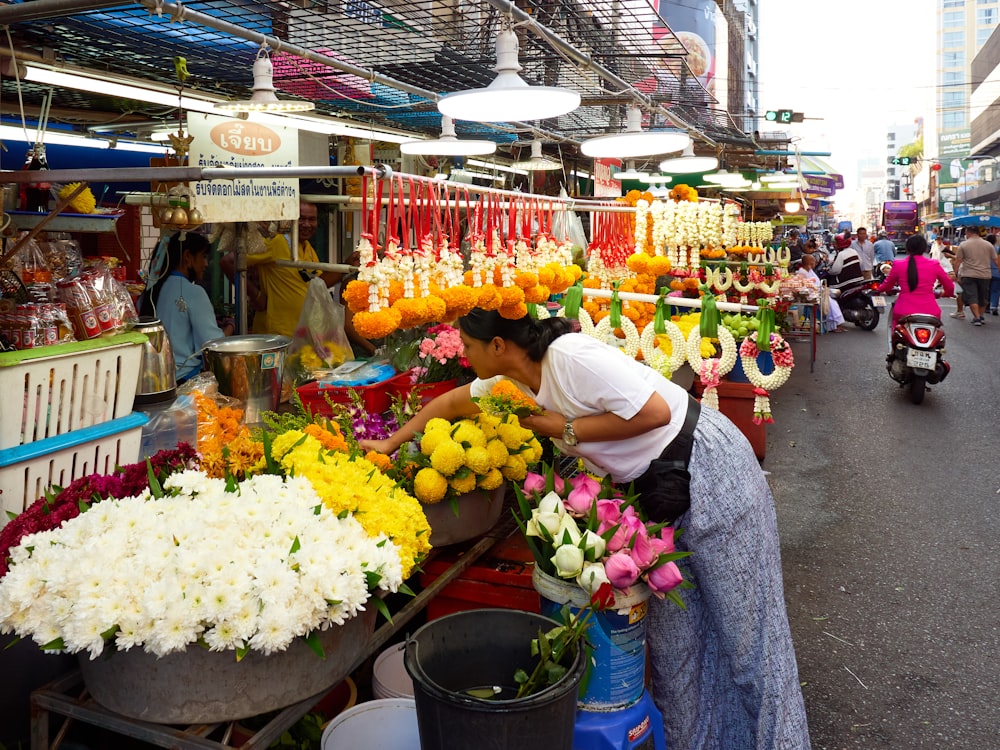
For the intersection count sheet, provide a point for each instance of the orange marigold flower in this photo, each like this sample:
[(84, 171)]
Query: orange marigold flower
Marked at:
[(412, 312), (381, 461), (376, 325), (637, 262), (537, 294), (658, 265), (356, 295), (396, 291), (511, 296), (329, 437), (458, 300), (525, 279), (489, 297), (591, 283), (513, 312), (545, 275)]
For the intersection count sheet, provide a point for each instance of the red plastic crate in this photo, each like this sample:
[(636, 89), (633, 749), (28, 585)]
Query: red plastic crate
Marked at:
[(501, 578), (376, 397)]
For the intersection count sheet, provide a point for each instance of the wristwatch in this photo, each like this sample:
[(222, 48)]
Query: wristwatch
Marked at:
[(569, 435)]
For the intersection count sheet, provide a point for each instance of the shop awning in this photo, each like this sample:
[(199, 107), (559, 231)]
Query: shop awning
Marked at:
[(819, 175), (976, 220)]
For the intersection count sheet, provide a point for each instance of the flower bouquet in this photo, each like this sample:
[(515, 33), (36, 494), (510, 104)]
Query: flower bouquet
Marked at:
[(588, 531), (506, 398)]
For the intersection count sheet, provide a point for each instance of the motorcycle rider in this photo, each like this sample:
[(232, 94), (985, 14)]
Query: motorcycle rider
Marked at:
[(916, 277), (845, 267), (884, 249)]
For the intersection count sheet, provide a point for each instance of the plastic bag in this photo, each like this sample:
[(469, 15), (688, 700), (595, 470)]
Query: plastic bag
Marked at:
[(320, 342), (568, 224), (824, 300)]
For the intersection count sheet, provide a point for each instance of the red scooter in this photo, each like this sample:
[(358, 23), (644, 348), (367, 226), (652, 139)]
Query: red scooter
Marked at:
[(917, 356)]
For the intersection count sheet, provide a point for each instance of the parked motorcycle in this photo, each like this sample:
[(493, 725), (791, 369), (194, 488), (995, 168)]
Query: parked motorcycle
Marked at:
[(858, 305), (917, 356)]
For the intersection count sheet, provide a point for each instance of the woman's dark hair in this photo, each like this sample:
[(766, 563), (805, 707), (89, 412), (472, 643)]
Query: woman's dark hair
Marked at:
[(194, 243), (534, 336), (915, 245)]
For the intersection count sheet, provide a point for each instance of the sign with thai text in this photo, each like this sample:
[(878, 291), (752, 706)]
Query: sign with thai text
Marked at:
[(230, 142), (605, 186)]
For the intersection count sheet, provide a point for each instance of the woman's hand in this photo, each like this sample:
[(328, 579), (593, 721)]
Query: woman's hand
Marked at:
[(550, 424), (386, 446)]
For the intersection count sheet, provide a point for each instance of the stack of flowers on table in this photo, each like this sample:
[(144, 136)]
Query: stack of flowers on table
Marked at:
[(450, 459), (266, 552), (588, 531)]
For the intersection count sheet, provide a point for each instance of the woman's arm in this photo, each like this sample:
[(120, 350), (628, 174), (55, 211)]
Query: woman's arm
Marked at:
[(455, 403), (654, 413)]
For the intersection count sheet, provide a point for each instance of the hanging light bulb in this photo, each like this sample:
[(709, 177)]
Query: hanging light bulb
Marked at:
[(687, 162), (264, 98), (509, 97), (448, 144), (635, 141)]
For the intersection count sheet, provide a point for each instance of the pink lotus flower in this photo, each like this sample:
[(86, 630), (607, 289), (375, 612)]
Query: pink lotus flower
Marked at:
[(583, 495), (622, 570), (664, 578), (664, 543), (643, 552), (608, 514), (534, 483)]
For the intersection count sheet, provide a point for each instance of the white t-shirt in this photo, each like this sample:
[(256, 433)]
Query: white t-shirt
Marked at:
[(582, 377)]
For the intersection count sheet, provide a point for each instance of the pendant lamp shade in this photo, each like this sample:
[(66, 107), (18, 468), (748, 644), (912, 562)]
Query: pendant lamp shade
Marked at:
[(725, 178), (635, 141), (263, 98), (688, 163), (628, 174), (538, 161), (448, 144), (508, 98), (776, 177)]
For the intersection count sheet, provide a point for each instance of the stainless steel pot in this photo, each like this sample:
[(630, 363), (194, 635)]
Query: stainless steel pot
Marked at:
[(157, 369)]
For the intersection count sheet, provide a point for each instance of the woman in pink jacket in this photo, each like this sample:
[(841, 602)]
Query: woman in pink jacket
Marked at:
[(916, 277)]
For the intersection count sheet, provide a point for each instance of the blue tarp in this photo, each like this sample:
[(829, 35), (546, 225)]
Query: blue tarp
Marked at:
[(976, 220)]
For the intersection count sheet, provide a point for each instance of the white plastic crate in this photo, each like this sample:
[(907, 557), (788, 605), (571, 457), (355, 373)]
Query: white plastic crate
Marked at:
[(67, 387), (27, 471)]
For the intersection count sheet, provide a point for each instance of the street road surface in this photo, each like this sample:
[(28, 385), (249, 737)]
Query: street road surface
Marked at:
[(888, 514)]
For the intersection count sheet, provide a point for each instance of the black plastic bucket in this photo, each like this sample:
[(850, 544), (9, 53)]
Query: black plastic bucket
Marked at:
[(481, 648)]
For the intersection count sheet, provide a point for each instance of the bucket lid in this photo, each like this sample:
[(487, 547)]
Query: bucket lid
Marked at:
[(252, 342)]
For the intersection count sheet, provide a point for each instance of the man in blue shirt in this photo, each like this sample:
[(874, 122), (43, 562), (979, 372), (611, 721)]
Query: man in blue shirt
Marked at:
[(884, 249)]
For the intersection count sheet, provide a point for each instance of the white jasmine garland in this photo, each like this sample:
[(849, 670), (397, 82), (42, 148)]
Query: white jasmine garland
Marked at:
[(652, 354), (603, 332), (254, 568), (641, 224)]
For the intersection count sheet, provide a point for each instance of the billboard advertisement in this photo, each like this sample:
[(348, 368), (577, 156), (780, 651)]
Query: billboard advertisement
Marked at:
[(954, 178), (693, 22)]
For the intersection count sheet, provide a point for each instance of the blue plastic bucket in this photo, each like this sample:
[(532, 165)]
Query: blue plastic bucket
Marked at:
[(618, 637), (765, 363)]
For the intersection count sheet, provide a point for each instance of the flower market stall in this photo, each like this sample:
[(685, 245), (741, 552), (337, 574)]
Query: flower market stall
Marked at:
[(683, 285)]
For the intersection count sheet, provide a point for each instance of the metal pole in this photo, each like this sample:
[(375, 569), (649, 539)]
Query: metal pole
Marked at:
[(188, 174), (675, 301), (40, 10)]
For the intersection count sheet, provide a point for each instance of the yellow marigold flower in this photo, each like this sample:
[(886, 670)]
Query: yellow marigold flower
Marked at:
[(659, 265), (448, 457), (437, 309), (498, 453), (431, 440), (477, 458), (491, 480), (437, 423), (467, 431), (515, 469), (545, 275), (463, 484), (511, 435), (534, 454), (458, 300), (429, 486), (396, 291), (488, 424)]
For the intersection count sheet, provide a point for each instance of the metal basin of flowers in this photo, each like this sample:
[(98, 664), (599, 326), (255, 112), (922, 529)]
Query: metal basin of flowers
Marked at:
[(198, 685), (478, 512)]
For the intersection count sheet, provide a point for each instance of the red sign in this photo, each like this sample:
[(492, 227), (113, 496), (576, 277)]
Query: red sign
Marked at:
[(604, 185)]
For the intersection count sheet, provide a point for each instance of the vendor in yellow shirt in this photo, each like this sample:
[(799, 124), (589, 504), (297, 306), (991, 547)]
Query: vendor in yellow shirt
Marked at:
[(284, 287)]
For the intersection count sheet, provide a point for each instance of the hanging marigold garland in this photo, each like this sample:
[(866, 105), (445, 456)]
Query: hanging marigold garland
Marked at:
[(711, 370)]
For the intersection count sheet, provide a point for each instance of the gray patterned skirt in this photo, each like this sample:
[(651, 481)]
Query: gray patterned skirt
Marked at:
[(724, 671)]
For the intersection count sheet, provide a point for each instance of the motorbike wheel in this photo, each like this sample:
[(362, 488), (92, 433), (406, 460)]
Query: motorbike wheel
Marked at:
[(918, 385), (867, 318)]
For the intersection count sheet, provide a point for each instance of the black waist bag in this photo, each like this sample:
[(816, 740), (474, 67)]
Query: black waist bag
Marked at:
[(665, 487)]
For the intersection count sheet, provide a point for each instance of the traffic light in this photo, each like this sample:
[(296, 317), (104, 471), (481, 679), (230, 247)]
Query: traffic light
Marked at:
[(780, 115), (900, 161)]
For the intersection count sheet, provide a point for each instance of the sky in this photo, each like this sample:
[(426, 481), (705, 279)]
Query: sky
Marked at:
[(860, 66)]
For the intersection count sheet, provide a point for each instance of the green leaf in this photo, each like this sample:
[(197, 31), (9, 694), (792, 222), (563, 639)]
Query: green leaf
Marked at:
[(242, 651), (373, 579), (616, 306), (382, 608), (313, 642), (154, 484), (108, 634), (296, 546), (54, 645)]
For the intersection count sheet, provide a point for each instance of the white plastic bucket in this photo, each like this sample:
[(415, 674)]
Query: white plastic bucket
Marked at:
[(383, 724), (389, 677)]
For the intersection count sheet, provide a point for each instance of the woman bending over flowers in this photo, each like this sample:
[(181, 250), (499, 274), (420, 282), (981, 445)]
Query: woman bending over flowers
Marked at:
[(724, 671)]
